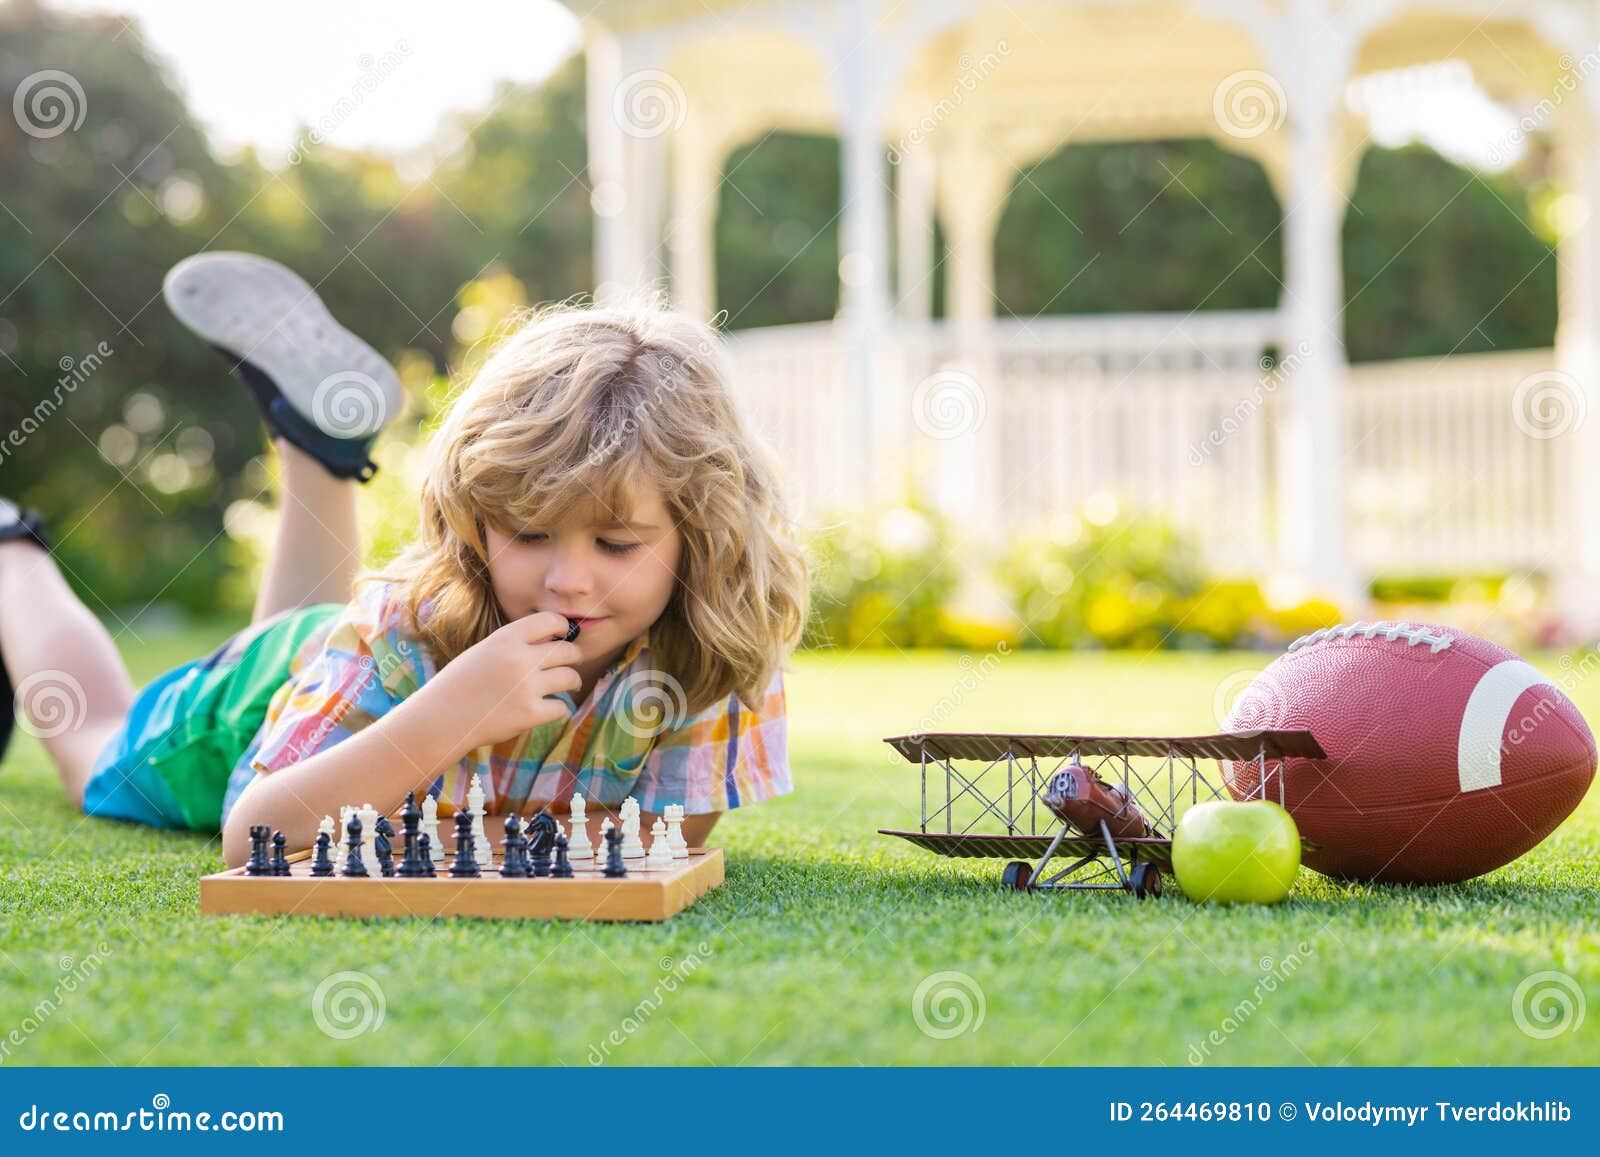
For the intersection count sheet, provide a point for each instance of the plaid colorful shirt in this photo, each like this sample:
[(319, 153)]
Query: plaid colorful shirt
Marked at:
[(619, 742)]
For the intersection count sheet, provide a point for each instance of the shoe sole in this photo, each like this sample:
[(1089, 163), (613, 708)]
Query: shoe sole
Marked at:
[(266, 314)]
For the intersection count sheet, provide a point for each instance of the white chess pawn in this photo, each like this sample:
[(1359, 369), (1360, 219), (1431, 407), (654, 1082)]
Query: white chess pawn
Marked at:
[(660, 851), (430, 828), (675, 840), (480, 839), (600, 846), (369, 833), (578, 844)]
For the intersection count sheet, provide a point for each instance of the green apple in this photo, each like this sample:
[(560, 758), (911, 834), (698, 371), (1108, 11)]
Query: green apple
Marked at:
[(1236, 853)]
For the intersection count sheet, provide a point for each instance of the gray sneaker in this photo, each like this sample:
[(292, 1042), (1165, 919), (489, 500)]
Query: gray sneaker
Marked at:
[(319, 386)]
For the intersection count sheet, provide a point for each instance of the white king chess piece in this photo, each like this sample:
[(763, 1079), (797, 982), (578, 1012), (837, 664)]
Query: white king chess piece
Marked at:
[(369, 833), (481, 850), (578, 832), (675, 840), (660, 851), (430, 828)]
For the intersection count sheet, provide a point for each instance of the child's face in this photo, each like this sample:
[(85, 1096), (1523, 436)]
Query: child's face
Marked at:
[(616, 578)]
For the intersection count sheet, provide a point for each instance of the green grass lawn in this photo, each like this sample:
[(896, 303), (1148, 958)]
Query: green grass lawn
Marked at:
[(814, 950)]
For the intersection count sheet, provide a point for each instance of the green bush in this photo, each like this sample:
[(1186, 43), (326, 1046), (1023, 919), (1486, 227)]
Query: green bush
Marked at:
[(882, 578), (1122, 583)]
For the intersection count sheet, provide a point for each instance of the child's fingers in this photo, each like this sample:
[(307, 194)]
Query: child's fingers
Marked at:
[(558, 654), (563, 679), (539, 627)]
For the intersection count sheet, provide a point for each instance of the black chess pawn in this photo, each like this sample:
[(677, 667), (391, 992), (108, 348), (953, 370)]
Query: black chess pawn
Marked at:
[(280, 862), (563, 866), (542, 830), (353, 865), (513, 860), (465, 865), (615, 869), (425, 868), (258, 864), (383, 845), (321, 862)]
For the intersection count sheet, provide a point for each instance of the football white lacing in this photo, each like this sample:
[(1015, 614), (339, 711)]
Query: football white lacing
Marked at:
[(1393, 632)]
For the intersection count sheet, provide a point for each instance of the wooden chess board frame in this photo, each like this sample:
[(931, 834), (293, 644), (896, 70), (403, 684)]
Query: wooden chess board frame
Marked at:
[(644, 894)]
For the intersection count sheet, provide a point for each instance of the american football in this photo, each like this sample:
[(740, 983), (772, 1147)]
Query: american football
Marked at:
[(1447, 755)]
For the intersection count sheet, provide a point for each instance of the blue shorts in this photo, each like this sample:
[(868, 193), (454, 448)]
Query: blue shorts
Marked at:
[(168, 765)]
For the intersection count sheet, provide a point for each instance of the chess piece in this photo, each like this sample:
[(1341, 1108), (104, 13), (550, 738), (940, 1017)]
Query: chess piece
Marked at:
[(465, 865), (280, 862), (563, 865), (425, 869), (542, 830), (321, 862), (615, 869), (675, 840), (600, 851), (412, 863), (339, 849), (383, 846), (513, 861), (326, 825), (578, 840), (430, 828), (480, 840), (353, 864), (258, 864), (369, 834), (660, 851), (632, 845)]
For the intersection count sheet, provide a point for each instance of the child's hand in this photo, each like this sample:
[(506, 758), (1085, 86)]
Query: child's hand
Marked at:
[(496, 688)]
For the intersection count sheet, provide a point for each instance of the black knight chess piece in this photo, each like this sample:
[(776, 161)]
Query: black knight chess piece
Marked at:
[(383, 845), (541, 842)]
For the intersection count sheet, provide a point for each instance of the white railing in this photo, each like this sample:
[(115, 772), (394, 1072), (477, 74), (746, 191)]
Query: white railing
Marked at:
[(1174, 413), (1444, 475)]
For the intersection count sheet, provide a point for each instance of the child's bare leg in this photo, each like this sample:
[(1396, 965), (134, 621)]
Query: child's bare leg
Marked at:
[(317, 549), (71, 683)]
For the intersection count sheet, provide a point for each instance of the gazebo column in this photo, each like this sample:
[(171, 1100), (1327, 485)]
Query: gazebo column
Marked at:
[(864, 80), (1311, 517), (692, 237), (626, 171), (1574, 419), (915, 219), (973, 184)]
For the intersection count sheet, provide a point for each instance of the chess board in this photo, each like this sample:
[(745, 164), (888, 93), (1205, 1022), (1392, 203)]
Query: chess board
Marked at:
[(644, 894)]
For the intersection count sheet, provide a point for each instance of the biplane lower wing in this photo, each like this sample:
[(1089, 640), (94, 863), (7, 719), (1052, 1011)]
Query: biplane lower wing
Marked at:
[(991, 847)]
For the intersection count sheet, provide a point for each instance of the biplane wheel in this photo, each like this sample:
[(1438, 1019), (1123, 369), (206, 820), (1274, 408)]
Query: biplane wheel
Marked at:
[(1018, 875), (1145, 880)]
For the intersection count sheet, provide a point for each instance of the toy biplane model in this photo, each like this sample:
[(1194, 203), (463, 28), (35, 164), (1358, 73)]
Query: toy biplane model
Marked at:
[(1078, 811)]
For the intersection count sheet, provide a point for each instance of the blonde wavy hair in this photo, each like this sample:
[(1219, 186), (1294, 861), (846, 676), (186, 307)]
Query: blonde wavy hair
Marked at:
[(571, 412)]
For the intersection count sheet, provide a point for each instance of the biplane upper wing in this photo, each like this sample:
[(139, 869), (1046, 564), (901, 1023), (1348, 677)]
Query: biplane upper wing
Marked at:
[(989, 746)]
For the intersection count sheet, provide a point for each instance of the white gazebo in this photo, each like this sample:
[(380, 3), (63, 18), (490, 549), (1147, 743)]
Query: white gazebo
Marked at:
[(1313, 472)]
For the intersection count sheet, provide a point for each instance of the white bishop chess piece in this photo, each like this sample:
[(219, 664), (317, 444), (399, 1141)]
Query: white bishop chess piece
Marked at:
[(660, 850), (578, 831)]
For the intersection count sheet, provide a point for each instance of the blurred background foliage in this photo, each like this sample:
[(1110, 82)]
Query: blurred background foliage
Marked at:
[(154, 475)]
